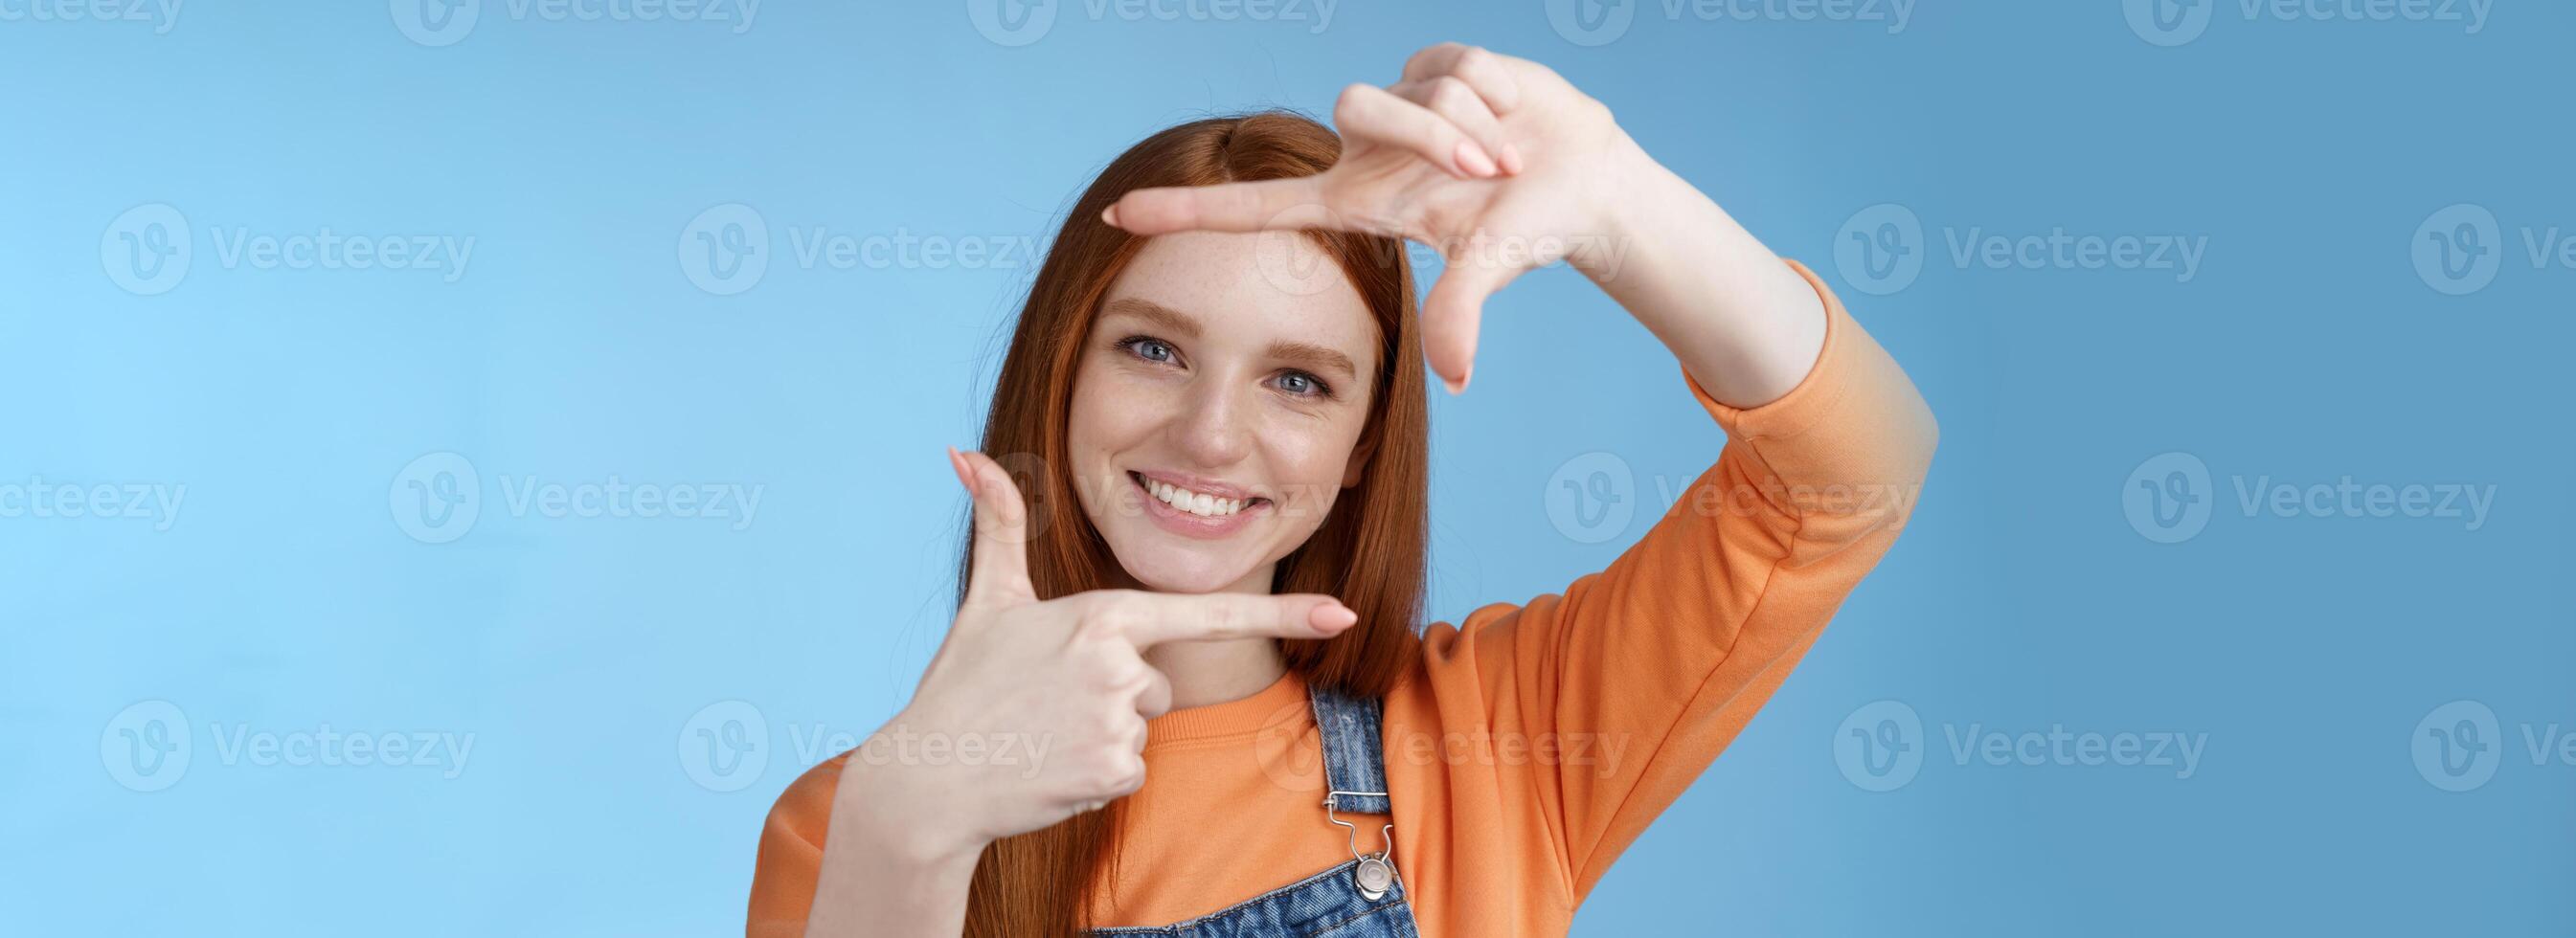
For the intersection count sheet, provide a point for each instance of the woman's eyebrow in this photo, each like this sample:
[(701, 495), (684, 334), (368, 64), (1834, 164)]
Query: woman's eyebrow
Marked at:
[(1314, 357), (1166, 317)]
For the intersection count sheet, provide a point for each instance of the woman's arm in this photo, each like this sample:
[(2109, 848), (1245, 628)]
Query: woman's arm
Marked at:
[(1633, 679), (886, 844), (831, 865), (1745, 326), (1642, 673)]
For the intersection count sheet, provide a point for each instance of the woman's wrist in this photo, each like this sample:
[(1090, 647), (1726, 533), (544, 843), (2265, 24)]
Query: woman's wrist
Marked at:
[(905, 817), (888, 868), (1739, 319)]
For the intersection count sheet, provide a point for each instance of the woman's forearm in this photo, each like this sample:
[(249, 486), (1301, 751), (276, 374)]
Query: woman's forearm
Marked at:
[(1741, 321), (883, 873)]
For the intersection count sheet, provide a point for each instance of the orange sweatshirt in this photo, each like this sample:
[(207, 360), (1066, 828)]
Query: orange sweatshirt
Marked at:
[(1536, 741)]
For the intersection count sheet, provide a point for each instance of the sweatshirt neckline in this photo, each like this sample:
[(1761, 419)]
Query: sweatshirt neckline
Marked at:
[(1282, 702)]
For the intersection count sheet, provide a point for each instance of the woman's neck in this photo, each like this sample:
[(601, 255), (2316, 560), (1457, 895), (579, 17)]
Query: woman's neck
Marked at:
[(1215, 672)]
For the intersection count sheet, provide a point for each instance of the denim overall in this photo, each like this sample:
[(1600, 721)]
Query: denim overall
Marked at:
[(1359, 899)]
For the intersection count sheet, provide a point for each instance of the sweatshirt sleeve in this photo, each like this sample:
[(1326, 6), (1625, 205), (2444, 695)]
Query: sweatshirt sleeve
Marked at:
[(791, 853), (1634, 678)]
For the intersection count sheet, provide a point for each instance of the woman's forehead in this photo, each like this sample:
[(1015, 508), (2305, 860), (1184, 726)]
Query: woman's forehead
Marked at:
[(1271, 284)]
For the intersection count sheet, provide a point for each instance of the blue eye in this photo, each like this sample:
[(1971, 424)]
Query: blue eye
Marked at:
[(1302, 384), (1148, 348)]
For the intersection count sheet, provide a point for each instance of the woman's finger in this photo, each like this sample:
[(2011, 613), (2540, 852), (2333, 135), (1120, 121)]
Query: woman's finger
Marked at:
[(1450, 98), (1488, 73), (1150, 619), (1000, 568), (1156, 699), (1453, 314), (1369, 112), (1235, 206)]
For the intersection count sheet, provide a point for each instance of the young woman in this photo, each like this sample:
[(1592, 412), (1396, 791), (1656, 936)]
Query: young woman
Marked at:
[(1192, 608)]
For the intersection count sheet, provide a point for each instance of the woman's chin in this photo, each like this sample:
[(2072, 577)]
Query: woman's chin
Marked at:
[(1165, 569)]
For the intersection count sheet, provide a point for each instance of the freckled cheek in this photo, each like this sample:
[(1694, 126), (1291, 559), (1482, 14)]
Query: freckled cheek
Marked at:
[(1111, 416), (1306, 459)]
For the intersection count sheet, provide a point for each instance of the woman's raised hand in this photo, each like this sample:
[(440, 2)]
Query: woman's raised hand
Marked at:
[(1063, 682), (1496, 162)]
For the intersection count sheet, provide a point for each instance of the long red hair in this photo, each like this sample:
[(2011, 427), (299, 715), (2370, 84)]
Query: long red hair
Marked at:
[(1369, 552)]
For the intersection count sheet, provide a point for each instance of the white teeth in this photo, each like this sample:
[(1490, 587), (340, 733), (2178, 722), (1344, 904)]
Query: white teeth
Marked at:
[(1196, 503)]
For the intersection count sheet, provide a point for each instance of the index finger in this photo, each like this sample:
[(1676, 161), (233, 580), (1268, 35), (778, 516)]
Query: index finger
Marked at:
[(1267, 205), (1168, 617), (1486, 71)]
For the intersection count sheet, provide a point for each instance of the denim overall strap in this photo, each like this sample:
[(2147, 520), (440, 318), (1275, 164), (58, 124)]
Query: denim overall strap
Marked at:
[(1362, 898), (1354, 759)]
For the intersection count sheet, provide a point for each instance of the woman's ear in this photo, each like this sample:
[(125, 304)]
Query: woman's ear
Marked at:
[(1359, 461)]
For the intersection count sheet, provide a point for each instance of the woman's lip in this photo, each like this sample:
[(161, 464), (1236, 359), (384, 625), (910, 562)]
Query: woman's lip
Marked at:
[(1186, 524), (1200, 485)]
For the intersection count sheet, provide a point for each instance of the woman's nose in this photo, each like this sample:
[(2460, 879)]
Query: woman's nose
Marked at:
[(1215, 428)]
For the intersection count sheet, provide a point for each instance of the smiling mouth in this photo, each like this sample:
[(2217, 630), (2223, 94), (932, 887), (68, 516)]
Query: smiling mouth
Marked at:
[(1200, 504)]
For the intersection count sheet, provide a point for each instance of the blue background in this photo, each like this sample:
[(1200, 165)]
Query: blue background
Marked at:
[(287, 593)]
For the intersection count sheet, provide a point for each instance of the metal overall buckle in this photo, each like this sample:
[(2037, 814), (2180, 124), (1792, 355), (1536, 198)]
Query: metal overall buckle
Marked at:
[(1376, 872)]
